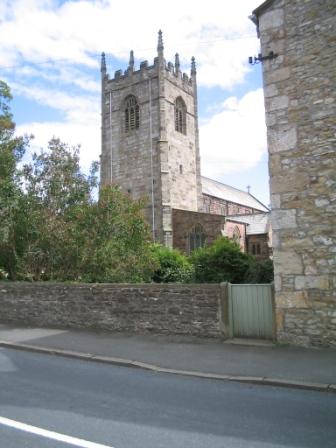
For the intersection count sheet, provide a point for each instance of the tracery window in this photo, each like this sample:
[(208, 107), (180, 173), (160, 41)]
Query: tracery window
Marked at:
[(180, 116), (132, 114), (196, 238), (236, 235), (256, 249)]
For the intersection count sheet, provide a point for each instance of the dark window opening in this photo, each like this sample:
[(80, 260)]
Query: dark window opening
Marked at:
[(180, 116), (256, 249), (132, 114), (196, 238)]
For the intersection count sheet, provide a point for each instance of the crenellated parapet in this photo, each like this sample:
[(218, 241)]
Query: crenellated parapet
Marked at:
[(171, 71)]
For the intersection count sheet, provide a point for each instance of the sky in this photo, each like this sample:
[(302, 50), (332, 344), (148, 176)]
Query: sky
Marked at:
[(50, 57)]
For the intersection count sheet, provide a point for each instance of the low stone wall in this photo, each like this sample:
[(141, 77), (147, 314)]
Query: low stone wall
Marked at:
[(163, 309)]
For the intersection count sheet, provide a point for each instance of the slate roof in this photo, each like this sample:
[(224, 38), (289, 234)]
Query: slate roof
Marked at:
[(222, 191), (257, 223)]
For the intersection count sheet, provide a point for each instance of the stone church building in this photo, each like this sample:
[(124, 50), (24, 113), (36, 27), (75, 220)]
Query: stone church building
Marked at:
[(150, 147)]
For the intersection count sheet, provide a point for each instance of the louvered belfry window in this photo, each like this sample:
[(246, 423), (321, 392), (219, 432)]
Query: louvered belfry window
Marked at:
[(132, 114), (180, 116)]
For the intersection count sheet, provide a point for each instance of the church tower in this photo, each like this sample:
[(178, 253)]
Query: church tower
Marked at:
[(150, 144)]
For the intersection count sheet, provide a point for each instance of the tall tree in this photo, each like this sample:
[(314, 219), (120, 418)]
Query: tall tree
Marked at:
[(51, 226), (115, 239), (12, 149), (69, 235), (54, 186)]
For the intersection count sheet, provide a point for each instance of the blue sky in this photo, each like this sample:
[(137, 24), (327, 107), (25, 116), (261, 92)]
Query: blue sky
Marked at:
[(50, 56)]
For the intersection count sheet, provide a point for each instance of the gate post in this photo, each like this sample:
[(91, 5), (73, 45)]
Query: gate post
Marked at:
[(224, 311), (274, 312)]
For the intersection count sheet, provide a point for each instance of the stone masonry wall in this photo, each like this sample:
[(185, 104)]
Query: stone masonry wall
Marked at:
[(183, 175), (299, 89), (218, 206), (257, 245), (185, 220), (163, 309)]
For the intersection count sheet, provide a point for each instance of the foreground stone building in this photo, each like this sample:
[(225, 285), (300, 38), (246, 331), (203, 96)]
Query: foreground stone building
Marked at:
[(299, 88), (150, 147)]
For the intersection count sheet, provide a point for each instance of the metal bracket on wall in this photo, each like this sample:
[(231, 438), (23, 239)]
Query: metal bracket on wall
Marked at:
[(260, 58)]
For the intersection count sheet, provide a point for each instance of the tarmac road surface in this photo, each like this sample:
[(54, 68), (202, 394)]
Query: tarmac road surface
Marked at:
[(48, 401)]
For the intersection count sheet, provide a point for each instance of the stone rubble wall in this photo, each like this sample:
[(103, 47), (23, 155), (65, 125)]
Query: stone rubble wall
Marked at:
[(185, 220), (216, 206), (163, 309), (299, 89)]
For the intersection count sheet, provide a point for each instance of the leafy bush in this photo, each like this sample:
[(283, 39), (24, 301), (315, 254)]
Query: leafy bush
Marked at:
[(114, 240), (220, 262), (174, 267), (260, 271)]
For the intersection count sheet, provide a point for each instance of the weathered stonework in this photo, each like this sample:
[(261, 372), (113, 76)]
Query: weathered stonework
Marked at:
[(258, 246), (217, 206), (162, 309), (300, 86), (212, 225), (184, 221), (154, 160)]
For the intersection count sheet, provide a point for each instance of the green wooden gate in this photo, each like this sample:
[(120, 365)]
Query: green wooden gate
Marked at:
[(251, 311)]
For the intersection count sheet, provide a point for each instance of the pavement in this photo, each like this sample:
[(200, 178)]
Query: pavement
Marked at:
[(250, 361)]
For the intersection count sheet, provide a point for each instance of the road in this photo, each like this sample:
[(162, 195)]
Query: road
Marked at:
[(67, 403)]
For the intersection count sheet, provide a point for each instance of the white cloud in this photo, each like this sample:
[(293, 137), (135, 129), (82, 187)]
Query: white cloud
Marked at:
[(61, 74), (77, 31), (77, 109), (73, 32), (234, 139), (87, 135)]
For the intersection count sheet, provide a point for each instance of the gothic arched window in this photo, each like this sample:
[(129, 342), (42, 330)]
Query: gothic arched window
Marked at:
[(180, 116), (132, 113), (196, 238), (236, 235)]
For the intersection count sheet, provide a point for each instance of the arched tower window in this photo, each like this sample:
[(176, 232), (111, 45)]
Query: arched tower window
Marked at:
[(236, 235), (132, 113), (196, 238), (180, 116)]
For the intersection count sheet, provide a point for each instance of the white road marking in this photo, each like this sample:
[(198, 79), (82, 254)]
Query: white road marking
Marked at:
[(50, 434)]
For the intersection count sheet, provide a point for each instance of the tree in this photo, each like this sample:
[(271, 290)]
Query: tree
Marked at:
[(222, 261), (173, 266), (54, 187), (11, 152), (260, 271), (115, 241), (51, 226), (69, 235), (55, 178)]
